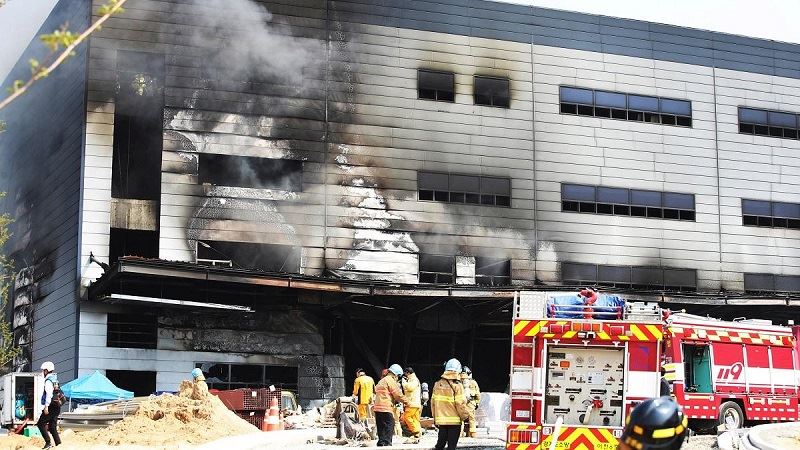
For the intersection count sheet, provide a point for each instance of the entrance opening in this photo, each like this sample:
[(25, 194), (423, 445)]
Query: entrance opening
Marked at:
[(697, 366), (141, 382), (585, 386)]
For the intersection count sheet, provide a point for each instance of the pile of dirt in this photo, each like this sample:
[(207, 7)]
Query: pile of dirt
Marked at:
[(18, 442), (191, 417)]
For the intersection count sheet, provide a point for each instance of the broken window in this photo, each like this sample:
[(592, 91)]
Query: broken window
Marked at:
[(469, 189), (123, 242), (767, 282), (251, 172), (636, 277), (437, 269), (763, 213), (138, 126), (627, 202), (491, 91), (769, 123), (131, 331), (247, 255), (141, 382), (226, 376), (432, 85), (492, 271), (617, 105)]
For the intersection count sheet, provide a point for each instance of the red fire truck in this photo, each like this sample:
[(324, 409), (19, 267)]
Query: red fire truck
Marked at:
[(578, 366), (729, 372)]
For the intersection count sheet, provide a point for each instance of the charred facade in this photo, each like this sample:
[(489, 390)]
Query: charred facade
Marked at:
[(444, 152)]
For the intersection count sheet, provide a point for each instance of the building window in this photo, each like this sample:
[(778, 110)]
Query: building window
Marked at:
[(491, 91), (131, 331), (492, 271), (767, 282), (246, 255), (251, 172), (141, 382), (627, 202), (468, 189), (761, 213), (432, 85), (437, 269), (123, 242), (225, 376), (768, 123), (632, 277), (138, 126), (616, 105)]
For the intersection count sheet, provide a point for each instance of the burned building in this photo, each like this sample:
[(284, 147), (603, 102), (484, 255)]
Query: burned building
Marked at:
[(279, 192)]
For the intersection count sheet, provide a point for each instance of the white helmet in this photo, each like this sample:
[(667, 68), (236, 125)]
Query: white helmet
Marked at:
[(49, 366)]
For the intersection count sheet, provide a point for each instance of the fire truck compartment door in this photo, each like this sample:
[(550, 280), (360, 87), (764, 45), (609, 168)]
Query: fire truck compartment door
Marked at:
[(585, 385), (697, 367)]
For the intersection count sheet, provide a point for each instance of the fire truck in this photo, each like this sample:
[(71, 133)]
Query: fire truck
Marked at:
[(729, 372), (579, 364)]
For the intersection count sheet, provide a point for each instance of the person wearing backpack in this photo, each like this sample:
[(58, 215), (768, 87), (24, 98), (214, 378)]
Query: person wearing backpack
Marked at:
[(52, 399)]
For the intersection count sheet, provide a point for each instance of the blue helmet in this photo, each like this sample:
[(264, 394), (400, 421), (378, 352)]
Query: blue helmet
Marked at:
[(453, 365), (197, 373), (396, 369)]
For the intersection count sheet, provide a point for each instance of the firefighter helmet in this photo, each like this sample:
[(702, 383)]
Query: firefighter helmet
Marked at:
[(396, 369), (197, 374), (466, 370), (655, 424), (453, 365)]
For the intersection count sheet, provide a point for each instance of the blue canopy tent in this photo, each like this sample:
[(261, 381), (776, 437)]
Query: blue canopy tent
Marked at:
[(94, 387)]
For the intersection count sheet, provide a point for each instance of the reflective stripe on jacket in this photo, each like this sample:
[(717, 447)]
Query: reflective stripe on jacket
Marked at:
[(387, 393), (364, 387), (411, 388), (447, 400), (474, 392)]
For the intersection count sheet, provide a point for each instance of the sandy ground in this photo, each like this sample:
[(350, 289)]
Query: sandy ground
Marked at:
[(702, 442)]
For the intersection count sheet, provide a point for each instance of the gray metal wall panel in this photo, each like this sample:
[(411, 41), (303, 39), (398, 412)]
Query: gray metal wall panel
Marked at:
[(41, 173)]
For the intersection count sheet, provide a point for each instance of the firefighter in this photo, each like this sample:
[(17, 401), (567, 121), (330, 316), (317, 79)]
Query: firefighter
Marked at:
[(472, 394), (199, 386), (655, 424), (449, 406), (387, 393), (411, 413), (363, 392)]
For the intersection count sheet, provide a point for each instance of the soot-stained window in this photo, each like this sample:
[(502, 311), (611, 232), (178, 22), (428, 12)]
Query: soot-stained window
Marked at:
[(769, 123), (627, 202), (123, 242), (492, 271), (246, 255), (438, 269), (138, 126), (617, 105), (468, 189), (251, 172), (767, 282), (132, 331), (491, 91), (635, 277), (255, 376), (433, 85), (762, 213)]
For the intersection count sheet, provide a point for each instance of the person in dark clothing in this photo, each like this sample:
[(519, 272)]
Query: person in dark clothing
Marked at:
[(664, 391), (52, 408), (448, 435)]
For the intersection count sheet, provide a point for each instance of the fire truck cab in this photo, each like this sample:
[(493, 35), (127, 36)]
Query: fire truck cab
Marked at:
[(578, 367), (730, 372)]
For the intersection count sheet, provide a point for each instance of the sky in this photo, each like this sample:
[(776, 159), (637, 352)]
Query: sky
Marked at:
[(768, 19)]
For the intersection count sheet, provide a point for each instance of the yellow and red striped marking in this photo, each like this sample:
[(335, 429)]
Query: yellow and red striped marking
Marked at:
[(732, 336), (570, 438), (525, 330)]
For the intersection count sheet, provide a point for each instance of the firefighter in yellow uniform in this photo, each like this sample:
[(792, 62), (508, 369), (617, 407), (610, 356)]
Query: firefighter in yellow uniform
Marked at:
[(363, 390), (472, 392), (387, 393), (411, 413), (449, 406)]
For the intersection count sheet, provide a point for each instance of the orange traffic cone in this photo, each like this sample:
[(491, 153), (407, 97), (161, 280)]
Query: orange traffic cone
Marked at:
[(272, 419)]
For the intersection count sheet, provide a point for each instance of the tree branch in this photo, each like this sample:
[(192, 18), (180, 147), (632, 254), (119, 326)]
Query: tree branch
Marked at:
[(63, 55)]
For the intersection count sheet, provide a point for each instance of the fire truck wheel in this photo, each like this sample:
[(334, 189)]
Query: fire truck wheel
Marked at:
[(731, 416)]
